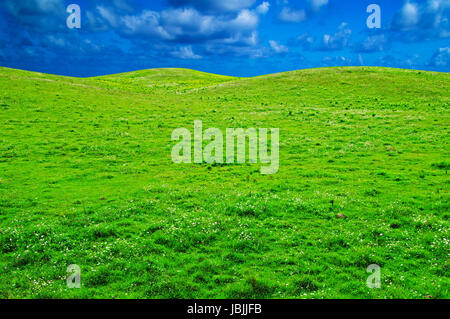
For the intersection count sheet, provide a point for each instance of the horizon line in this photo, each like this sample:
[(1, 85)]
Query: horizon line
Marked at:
[(232, 76)]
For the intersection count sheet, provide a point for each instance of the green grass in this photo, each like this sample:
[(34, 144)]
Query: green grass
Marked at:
[(86, 178)]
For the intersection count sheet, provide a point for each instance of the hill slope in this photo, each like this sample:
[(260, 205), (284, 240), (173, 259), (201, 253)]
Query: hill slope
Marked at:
[(86, 178), (170, 80)]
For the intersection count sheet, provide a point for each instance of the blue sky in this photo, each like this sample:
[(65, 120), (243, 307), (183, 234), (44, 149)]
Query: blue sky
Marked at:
[(232, 37)]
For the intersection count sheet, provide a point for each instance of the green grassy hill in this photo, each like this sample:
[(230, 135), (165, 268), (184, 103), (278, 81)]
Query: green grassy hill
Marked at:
[(86, 178)]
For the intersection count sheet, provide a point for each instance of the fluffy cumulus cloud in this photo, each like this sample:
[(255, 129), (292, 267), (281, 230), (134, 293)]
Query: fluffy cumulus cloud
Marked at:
[(408, 17), (231, 33), (421, 20), (263, 8), (182, 25), (187, 22)]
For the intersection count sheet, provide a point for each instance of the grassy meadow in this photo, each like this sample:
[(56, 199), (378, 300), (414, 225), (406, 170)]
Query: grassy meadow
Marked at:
[(86, 178)]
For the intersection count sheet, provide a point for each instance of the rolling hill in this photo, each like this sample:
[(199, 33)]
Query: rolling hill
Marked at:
[(86, 178)]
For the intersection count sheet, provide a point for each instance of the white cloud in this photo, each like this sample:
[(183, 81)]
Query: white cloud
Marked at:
[(277, 47), (185, 24), (339, 40), (179, 22), (246, 19), (242, 39), (263, 8), (409, 15), (186, 53), (423, 20), (317, 4), (148, 23), (291, 15), (298, 15)]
